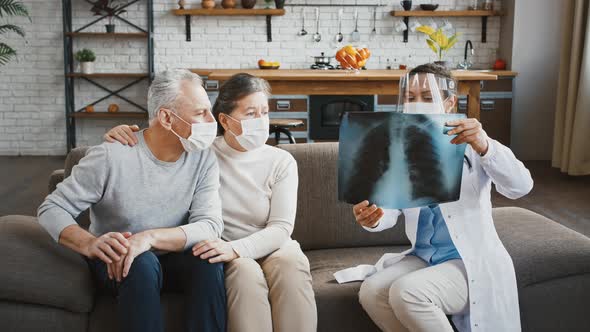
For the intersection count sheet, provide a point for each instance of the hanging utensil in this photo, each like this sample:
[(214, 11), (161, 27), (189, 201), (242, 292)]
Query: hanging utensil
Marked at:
[(374, 31), (316, 36), (356, 36), (302, 32), (339, 36)]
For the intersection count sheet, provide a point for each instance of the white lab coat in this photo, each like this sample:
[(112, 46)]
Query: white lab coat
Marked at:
[(493, 296)]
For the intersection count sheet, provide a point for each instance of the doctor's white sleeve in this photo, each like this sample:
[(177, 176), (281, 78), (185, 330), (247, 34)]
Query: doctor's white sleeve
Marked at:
[(511, 177)]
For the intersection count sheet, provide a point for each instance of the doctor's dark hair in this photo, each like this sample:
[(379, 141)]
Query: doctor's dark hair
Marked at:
[(233, 90), (432, 68)]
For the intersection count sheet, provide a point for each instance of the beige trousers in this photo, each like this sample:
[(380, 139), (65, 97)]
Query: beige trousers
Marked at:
[(412, 296), (273, 293)]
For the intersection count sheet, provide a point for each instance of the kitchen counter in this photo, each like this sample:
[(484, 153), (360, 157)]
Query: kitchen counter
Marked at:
[(340, 82), (326, 75)]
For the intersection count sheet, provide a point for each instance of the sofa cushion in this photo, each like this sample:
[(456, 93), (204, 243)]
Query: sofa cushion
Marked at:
[(338, 304), (55, 178), (73, 159), (25, 317), (322, 221), (541, 249), (39, 271)]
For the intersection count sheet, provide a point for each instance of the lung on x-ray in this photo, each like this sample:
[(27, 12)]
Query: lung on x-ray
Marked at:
[(398, 160)]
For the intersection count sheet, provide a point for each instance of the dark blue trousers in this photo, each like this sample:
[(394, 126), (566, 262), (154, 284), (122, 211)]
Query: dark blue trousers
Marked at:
[(138, 295)]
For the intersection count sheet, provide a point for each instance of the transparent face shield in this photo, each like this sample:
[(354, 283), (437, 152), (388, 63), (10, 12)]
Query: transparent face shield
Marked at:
[(427, 93)]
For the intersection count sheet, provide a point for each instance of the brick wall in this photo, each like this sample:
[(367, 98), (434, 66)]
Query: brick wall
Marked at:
[(32, 120)]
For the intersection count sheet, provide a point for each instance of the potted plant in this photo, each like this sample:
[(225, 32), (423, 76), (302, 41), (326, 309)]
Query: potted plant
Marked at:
[(110, 8), (279, 4), (86, 58), (11, 8), (438, 42)]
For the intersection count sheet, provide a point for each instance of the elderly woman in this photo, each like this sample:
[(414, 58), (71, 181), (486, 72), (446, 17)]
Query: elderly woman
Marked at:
[(268, 279)]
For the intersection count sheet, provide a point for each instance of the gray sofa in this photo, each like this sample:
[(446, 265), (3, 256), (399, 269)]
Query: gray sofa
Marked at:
[(44, 287)]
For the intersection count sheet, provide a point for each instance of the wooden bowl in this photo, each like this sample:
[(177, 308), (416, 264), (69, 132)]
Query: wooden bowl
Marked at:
[(269, 67), (429, 7)]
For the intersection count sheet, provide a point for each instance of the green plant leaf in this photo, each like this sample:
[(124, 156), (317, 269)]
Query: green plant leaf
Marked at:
[(9, 27), (432, 45), (6, 53), (107, 7), (85, 55), (444, 39), (425, 29), (436, 37), (452, 42), (13, 8)]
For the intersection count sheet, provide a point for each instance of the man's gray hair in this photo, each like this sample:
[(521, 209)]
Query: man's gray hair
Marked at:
[(165, 89)]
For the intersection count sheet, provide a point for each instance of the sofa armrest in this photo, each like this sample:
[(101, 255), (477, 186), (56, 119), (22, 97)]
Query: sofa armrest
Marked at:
[(56, 177), (37, 270), (541, 249)]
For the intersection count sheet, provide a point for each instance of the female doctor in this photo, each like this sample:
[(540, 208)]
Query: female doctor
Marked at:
[(457, 264)]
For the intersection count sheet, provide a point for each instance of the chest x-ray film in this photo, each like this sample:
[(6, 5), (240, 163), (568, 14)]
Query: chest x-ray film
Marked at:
[(397, 160)]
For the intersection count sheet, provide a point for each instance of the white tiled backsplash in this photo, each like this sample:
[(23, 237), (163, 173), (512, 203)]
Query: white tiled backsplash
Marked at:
[(32, 111)]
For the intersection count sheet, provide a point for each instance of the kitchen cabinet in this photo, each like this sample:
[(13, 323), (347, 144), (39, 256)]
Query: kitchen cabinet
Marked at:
[(496, 108)]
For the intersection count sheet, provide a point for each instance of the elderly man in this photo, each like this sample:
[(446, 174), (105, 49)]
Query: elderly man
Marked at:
[(148, 207)]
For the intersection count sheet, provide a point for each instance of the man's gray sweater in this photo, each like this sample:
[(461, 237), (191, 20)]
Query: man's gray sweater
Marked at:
[(129, 190)]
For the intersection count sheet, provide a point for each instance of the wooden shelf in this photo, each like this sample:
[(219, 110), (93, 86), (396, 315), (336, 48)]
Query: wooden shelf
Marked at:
[(445, 13), (107, 35), (229, 12), (108, 75), (107, 115), (483, 14), (187, 13)]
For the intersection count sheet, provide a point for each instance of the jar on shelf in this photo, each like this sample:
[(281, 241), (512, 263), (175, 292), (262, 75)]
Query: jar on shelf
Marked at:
[(248, 4), (228, 4), (208, 4), (487, 5)]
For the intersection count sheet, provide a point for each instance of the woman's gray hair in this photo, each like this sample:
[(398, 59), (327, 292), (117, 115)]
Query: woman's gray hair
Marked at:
[(165, 89), (233, 90)]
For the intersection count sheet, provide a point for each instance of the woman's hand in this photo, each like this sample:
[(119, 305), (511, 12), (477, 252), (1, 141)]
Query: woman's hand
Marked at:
[(215, 250), (367, 216), (471, 132), (123, 134)]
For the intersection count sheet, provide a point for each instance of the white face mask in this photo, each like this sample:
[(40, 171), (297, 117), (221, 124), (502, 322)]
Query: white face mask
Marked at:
[(254, 132), (201, 136), (423, 108)]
